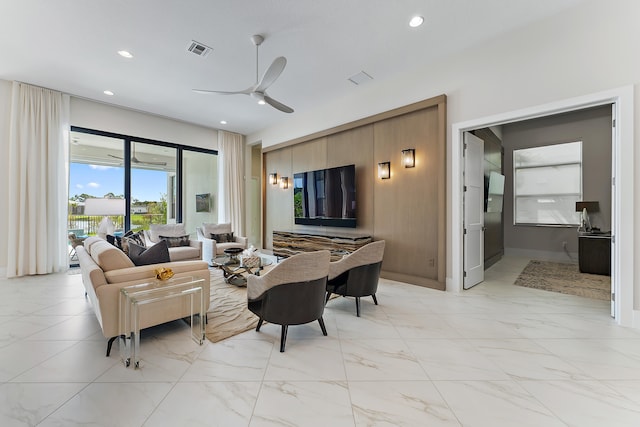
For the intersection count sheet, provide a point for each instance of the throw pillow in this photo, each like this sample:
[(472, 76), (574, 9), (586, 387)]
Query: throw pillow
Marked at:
[(173, 230), (223, 237), (156, 254), (115, 241), (137, 238), (174, 242), (211, 228)]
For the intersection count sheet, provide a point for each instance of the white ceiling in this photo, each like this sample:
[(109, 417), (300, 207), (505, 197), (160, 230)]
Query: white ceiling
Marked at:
[(71, 45)]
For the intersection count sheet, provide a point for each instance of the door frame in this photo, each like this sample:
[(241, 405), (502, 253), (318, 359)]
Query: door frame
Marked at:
[(623, 192)]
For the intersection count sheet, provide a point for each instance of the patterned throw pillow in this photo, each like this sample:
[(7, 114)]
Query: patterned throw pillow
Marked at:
[(137, 238), (174, 242), (223, 237), (119, 241)]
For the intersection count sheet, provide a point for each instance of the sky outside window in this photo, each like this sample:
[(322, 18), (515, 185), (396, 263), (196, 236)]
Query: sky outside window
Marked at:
[(97, 181)]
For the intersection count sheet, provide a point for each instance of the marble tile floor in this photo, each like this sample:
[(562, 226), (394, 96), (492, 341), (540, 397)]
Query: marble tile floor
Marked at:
[(495, 355)]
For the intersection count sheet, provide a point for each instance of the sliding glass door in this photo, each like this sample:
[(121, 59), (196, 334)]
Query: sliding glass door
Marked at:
[(199, 185), (162, 183), (153, 168), (96, 171)]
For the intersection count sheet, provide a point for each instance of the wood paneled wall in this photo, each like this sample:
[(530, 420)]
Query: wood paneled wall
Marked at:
[(408, 210)]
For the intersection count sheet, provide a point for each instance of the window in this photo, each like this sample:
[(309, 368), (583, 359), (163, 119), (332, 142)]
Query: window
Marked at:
[(547, 184)]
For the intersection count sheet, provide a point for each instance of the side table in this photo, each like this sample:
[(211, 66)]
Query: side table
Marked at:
[(136, 298)]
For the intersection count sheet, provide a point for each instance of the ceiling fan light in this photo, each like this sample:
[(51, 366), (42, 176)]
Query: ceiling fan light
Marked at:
[(416, 21), (259, 97)]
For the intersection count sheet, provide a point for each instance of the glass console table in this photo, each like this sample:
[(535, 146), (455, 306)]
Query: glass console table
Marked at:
[(136, 299)]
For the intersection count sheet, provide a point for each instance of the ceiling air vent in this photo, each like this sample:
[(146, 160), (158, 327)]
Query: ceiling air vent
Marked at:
[(360, 78), (198, 48)]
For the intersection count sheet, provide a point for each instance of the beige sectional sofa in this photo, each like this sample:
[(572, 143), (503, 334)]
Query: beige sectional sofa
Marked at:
[(106, 269)]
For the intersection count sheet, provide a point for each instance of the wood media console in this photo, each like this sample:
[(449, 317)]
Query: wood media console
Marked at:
[(287, 243)]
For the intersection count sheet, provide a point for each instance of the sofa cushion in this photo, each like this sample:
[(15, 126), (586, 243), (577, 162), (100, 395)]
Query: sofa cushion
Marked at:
[(156, 254), (210, 228), (108, 257), (169, 230), (177, 241), (182, 253)]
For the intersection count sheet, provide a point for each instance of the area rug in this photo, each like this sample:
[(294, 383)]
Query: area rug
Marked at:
[(564, 278), (228, 314)]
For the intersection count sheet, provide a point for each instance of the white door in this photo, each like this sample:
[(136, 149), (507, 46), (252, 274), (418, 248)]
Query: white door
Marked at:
[(473, 210)]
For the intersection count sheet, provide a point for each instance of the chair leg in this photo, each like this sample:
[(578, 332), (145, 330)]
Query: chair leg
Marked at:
[(283, 337), (259, 324), (324, 330), (109, 344), (326, 300), (358, 306), (375, 300)]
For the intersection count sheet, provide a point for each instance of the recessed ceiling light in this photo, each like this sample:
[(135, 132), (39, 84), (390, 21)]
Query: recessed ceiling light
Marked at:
[(108, 92), (125, 54), (223, 122), (262, 102), (416, 21)]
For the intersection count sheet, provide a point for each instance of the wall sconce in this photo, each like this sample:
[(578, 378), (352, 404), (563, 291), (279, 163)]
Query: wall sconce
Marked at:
[(409, 157), (284, 182), (384, 170), (273, 178)]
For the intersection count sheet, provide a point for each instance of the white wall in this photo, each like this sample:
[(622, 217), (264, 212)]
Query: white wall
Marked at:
[(584, 50), (108, 118)]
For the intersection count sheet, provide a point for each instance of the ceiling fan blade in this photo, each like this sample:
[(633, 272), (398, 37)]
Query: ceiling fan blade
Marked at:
[(272, 73), (247, 91), (142, 162), (277, 105)]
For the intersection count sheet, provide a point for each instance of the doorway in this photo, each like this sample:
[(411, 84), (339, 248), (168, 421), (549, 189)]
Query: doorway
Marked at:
[(622, 188)]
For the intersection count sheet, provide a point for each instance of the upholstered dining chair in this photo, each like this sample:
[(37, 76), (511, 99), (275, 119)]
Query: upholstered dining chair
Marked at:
[(356, 275), (291, 293)]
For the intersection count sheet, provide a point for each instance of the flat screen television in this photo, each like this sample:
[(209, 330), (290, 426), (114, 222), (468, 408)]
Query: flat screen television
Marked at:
[(325, 197)]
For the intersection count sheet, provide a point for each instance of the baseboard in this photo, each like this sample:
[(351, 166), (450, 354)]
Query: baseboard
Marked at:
[(488, 262), (542, 255), (414, 280)]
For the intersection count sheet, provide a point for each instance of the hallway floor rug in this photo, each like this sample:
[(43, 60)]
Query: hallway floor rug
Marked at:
[(564, 278)]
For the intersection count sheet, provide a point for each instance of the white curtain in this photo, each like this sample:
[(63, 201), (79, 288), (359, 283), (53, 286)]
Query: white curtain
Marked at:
[(231, 200), (38, 176)]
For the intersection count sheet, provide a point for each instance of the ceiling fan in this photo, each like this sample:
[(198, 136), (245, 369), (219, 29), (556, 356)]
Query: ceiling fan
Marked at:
[(134, 159), (259, 89)]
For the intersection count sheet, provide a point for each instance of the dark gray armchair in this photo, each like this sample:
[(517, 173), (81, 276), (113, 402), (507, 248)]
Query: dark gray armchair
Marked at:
[(291, 293), (356, 275)]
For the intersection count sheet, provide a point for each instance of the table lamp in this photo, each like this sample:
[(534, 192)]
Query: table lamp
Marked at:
[(105, 207)]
